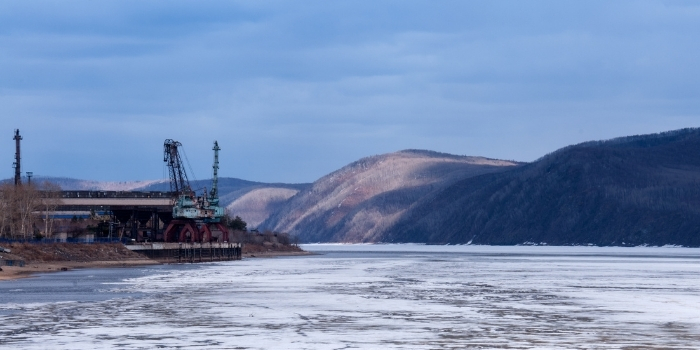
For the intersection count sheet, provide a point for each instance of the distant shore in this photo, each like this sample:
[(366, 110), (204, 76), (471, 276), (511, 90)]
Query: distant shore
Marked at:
[(43, 258)]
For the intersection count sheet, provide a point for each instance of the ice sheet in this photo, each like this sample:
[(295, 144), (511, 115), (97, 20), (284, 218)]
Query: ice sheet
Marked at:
[(388, 297)]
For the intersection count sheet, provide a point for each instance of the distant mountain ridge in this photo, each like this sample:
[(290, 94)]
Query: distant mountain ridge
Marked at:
[(360, 201), (70, 184)]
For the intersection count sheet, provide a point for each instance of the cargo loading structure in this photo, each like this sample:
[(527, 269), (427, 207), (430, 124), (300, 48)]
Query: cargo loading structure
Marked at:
[(175, 216)]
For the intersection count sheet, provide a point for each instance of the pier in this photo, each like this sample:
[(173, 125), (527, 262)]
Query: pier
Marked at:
[(189, 252)]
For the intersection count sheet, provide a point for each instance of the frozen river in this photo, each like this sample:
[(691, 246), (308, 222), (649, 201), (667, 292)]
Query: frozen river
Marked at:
[(370, 297)]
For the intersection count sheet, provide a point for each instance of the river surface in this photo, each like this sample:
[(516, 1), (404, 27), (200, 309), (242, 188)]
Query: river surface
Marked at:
[(370, 297)]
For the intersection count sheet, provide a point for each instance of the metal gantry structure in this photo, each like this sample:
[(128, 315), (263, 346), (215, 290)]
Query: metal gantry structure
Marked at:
[(214, 194), (193, 218)]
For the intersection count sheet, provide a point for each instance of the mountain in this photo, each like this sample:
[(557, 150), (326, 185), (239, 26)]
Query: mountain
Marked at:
[(627, 191), (359, 202), (256, 205)]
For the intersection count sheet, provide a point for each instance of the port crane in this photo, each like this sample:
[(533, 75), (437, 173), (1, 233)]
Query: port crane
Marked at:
[(194, 218)]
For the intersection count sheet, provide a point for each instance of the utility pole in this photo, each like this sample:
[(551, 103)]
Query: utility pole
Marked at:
[(18, 174)]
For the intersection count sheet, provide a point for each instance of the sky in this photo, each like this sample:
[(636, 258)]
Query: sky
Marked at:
[(293, 90)]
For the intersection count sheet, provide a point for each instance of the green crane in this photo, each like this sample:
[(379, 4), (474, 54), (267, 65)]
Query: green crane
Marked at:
[(193, 216)]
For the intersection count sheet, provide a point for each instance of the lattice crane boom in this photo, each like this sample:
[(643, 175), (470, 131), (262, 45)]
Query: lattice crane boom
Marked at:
[(179, 184)]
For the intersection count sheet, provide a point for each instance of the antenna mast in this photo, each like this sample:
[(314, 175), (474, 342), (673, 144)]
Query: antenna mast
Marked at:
[(16, 165)]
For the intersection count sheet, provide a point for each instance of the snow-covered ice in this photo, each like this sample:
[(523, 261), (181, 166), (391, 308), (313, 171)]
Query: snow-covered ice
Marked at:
[(374, 297)]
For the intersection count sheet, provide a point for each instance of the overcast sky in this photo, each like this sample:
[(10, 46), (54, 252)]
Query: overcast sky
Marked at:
[(293, 90)]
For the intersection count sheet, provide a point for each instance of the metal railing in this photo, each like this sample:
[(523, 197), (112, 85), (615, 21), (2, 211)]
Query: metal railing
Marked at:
[(115, 194)]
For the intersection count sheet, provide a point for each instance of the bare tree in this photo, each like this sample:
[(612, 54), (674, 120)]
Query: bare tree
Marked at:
[(19, 206), (50, 200), (27, 201), (6, 208)]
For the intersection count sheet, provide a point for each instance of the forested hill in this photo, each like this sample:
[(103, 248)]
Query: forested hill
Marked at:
[(627, 191)]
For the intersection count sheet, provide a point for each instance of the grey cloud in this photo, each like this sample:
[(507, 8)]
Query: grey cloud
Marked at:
[(320, 84)]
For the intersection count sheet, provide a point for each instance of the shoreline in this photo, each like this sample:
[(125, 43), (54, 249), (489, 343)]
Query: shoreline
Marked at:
[(30, 269), (9, 273)]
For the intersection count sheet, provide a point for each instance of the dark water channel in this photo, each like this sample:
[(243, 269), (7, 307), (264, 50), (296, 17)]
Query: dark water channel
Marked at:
[(81, 285)]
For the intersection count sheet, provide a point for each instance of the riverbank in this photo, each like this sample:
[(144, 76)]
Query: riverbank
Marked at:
[(15, 272), (53, 257), (56, 257)]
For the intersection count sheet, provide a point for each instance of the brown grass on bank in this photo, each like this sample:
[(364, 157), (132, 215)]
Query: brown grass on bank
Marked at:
[(55, 252), (50, 257)]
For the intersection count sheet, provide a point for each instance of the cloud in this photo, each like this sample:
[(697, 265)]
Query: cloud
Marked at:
[(295, 90)]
